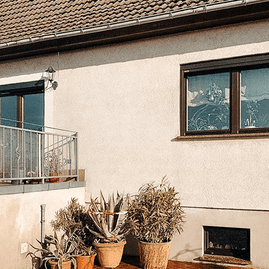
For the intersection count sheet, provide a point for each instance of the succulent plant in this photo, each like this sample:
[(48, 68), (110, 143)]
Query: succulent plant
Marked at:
[(56, 248), (108, 218)]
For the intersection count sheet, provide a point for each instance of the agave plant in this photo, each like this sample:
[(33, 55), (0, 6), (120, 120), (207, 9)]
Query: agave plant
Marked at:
[(155, 214), (55, 248), (108, 218)]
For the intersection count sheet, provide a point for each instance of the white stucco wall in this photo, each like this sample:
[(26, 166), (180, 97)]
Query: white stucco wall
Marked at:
[(124, 102), (20, 217)]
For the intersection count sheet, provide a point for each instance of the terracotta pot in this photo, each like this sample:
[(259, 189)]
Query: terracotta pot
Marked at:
[(65, 265), (54, 179), (85, 262), (154, 255), (109, 254)]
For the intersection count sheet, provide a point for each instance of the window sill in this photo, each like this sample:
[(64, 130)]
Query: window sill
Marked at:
[(221, 137), (4, 190)]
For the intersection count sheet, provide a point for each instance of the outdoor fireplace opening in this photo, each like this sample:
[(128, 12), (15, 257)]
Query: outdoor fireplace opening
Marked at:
[(233, 242)]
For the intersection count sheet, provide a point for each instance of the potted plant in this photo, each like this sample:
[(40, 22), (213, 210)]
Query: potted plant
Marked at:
[(74, 219), (57, 251), (153, 217), (109, 229), (54, 164), (84, 255)]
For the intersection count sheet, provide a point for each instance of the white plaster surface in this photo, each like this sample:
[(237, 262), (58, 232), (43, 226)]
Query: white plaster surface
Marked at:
[(20, 217), (124, 102)]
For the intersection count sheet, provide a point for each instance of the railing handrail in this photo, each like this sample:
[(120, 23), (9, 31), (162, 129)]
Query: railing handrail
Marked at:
[(74, 134), (37, 125)]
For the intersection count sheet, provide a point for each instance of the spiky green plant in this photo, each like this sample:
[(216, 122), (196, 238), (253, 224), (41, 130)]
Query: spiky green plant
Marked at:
[(56, 248), (155, 214), (108, 218), (74, 219)]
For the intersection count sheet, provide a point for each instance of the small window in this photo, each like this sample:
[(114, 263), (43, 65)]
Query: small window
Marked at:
[(226, 97), (225, 241)]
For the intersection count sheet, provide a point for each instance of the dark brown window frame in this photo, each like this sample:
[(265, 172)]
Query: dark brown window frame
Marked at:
[(234, 66)]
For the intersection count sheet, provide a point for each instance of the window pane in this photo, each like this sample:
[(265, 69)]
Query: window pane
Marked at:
[(208, 101), (34, 111), (255, 98), (8, 114)]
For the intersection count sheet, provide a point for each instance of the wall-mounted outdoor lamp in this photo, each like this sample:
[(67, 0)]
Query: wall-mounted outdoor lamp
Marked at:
[(50, 71), (48, 75)]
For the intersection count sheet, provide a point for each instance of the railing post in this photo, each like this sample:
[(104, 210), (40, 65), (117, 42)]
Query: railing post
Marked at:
[(76, 154), (42, 221)]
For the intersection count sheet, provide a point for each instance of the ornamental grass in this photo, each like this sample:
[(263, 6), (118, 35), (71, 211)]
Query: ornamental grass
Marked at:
[(155, 214)]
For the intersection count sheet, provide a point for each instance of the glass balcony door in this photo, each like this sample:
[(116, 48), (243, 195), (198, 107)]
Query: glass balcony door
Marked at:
[(21, 106), (26, 111)]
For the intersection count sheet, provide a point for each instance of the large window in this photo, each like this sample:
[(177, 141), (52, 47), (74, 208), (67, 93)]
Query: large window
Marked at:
[(225, 98)]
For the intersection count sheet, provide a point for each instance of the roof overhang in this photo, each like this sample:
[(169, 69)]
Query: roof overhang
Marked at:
[(164, 24)]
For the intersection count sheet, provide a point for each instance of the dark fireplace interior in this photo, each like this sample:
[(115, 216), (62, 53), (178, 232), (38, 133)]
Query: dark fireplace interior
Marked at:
[(234, 242)]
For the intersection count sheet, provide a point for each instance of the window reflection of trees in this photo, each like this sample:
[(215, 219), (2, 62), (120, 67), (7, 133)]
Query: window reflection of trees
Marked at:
[(213, 112)]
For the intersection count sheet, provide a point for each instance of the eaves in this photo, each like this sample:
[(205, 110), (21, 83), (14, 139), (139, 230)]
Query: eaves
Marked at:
[(191, 19)]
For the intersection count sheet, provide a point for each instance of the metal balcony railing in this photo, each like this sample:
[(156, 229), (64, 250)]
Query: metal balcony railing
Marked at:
[(28, 156)]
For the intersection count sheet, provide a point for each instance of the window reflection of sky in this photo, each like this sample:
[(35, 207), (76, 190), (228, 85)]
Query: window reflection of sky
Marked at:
[(255, 98), (208, 102), (255, 84), (199, 88)]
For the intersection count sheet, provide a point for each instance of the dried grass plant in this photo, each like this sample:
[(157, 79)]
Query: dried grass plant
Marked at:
[(74, 220), (155, 214)]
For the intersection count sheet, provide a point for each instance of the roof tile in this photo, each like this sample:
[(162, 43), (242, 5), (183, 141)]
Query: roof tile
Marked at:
[(27, 18)]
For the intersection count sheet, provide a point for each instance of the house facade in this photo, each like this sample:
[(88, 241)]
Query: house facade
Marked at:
[(152, 88)]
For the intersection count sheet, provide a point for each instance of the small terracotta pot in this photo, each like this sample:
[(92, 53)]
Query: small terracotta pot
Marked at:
[(154, 255), (54, 179), (65, 265), (85, 262), (109, 254)]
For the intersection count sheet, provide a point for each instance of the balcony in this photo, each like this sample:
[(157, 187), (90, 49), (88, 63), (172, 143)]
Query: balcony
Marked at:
[(37, 157)]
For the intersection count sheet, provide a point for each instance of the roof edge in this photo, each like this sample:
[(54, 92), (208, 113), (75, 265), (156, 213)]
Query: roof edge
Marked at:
[(126, 23), (197, 18)]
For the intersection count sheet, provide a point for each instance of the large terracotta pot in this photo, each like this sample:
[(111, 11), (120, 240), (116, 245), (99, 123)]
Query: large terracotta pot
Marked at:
[(65, 265), (154, 255), (85, 262), (109, 254)]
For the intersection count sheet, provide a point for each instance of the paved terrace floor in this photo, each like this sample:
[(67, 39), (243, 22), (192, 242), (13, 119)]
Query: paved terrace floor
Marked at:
[(130, 262)]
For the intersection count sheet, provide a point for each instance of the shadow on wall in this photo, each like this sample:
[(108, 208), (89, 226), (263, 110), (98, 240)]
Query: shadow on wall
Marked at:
[(194, 252), (177, 44), (131, 247)]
